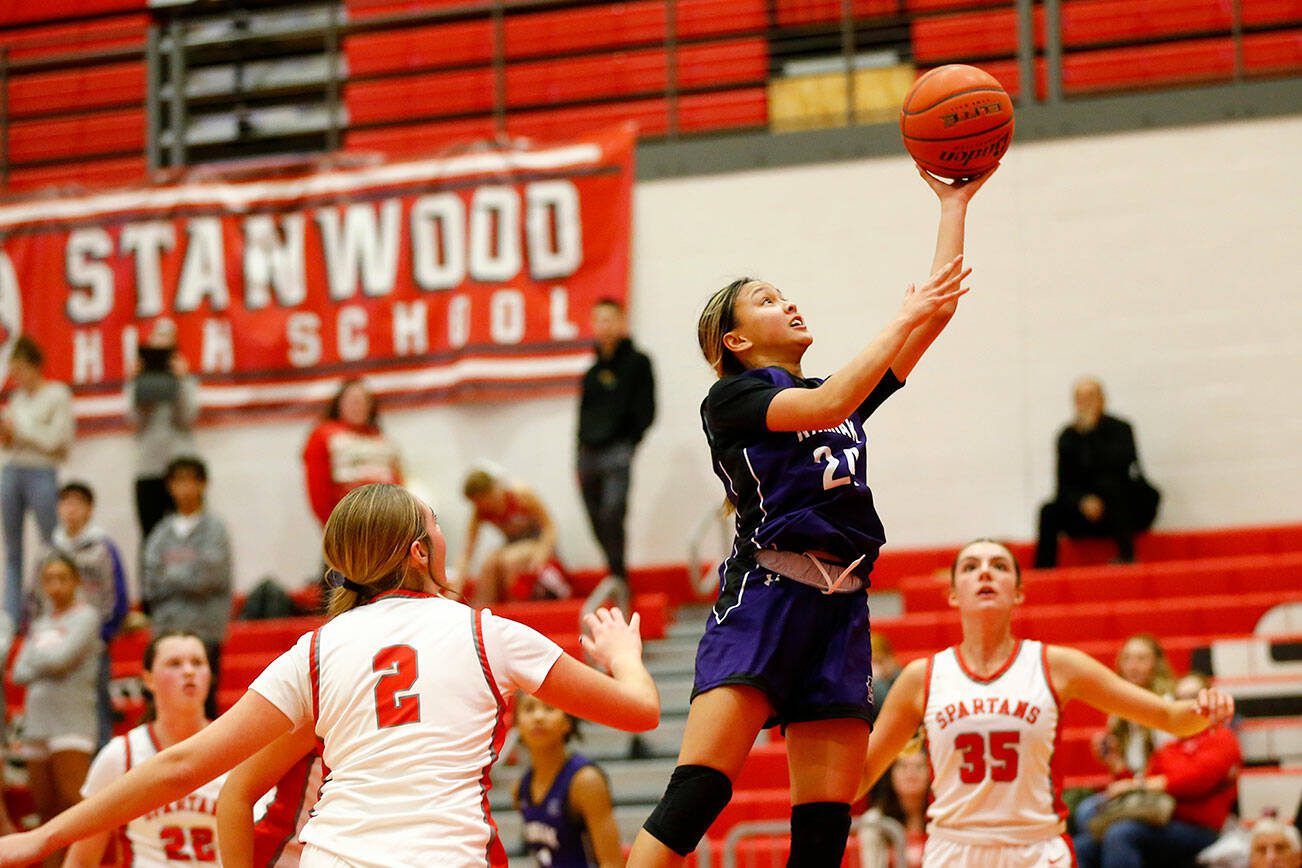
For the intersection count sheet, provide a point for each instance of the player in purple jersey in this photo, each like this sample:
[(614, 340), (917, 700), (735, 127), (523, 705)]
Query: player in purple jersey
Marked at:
[(787, 642)]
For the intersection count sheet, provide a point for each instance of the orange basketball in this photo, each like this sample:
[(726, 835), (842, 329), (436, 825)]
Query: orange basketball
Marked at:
[(957, 121)]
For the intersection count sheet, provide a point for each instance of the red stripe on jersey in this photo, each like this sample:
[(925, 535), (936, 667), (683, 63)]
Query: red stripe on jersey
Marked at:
[(1055, 773), (926, 697), (496, 852), (1012, 658), (314, 672), (124, 843), (153, 738), (1071, 848)]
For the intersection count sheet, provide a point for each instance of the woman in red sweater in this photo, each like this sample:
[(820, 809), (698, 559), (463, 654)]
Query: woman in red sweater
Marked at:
[(1201, 772), (347, 449)]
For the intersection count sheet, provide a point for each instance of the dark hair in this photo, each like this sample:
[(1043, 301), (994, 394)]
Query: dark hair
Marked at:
[(717, 319), (953, 567), (884, 798), (147, 664), (28, 350), (79, 489), (608, 301), (477, 483), (575, 733), (58, 556), (188, 463), (332, 409)]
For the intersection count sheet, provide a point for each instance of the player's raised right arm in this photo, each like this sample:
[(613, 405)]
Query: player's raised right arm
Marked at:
[(900, 718), (626, 699)]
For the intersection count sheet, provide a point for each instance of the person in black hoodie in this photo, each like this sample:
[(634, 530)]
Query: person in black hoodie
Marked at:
[(1101, 490), (616, 408)]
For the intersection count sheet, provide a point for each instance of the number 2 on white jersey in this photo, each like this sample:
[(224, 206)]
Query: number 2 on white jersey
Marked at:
[(823, 454)]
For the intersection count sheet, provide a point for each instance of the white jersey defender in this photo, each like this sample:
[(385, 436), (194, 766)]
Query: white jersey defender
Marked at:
[(408, 693), (991, 742), (183, 831)]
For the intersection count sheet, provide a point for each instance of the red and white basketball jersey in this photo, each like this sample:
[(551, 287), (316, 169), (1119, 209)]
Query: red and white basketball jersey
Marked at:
[(182, 831), (991, 743), (408, 694)]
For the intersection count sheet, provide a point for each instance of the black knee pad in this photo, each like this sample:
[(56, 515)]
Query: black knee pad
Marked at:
[(695, 797), (818, 834)]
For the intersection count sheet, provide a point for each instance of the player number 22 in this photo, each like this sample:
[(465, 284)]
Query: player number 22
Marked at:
[(823, 455), (1003, 756), (395, 704), (202, 844)]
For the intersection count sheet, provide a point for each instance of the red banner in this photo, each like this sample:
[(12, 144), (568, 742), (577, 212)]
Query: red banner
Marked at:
[(445, 278)]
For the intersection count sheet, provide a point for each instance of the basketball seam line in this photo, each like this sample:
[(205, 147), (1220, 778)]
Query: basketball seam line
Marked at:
[(956, 138), (986, 89)]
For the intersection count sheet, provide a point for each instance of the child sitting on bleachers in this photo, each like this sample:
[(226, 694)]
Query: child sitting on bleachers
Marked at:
[(525, 566)]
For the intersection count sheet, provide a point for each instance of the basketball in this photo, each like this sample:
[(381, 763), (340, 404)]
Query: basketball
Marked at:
[(957, 121)]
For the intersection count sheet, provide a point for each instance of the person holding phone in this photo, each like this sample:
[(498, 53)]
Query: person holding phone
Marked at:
[(162, 405)]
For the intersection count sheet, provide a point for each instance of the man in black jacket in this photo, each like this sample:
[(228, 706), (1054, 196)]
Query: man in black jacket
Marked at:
[(617, 406), (1101, 491)]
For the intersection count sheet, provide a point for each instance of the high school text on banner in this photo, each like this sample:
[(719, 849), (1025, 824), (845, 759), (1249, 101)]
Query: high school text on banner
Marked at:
[(452, 277)]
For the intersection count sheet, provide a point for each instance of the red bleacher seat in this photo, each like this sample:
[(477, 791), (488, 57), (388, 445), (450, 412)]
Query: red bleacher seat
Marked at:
[(730, 109), (438, 93), (1151, 581), (125, 33), (111, 172), (1086, 23), (1273, 53), (58, 10), (791, 13), (635, 72), (115, 132), (74, 90), (418, 140), (419, 48)]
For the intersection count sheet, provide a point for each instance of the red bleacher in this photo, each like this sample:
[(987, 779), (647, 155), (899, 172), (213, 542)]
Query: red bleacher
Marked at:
[(992, 32)]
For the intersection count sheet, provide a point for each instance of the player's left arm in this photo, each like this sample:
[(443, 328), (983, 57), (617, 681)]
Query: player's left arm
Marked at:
[(247, 783), (1076, 675), (900, 718), (590, 797), (954, 199)]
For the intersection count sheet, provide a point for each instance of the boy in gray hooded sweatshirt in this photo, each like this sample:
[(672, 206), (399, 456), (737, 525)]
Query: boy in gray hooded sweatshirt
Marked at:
[(187, 580)]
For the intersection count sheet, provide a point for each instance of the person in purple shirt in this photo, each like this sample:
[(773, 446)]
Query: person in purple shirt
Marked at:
[(787, 640)]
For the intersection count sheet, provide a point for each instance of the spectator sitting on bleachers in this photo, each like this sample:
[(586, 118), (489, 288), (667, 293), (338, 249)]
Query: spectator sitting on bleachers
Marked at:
[(1200, 772), (1124, 747), (59, 663), (103, 583), (1101, 491), (1275, 845), (525, 566), (187, 579), (902, 796)]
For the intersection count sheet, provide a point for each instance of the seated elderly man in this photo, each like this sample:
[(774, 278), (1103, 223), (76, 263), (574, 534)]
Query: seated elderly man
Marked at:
[(1275, 845)]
